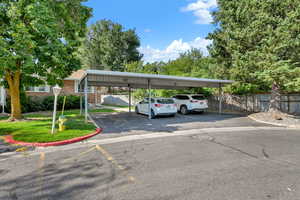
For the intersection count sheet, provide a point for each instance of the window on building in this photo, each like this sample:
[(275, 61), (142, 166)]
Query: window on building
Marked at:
[(77, 88), (43, 88)]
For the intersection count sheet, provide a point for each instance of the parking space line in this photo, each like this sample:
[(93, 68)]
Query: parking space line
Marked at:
[(114, 162), (41, 172), (79, 155)]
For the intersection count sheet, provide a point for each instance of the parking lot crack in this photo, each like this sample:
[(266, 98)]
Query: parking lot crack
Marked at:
[(265, 153), (213, 140)]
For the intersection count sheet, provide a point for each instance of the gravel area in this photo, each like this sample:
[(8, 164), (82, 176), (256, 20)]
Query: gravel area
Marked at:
[(286, 120)]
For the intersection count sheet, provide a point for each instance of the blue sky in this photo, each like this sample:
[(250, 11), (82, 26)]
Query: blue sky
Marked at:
[(165, 27)]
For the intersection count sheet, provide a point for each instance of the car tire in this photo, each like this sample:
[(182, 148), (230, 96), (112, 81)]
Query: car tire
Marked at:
[(137, 110), (152, 114), (173, 115), (184, 110)]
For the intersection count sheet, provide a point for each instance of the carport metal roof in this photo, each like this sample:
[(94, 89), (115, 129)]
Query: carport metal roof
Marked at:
[(150, 81), (139, 80)]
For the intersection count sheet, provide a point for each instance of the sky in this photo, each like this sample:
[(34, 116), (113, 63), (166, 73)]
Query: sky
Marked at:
[(166, 28)]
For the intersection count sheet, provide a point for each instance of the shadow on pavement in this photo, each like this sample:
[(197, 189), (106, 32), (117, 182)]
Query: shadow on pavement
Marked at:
[(124, 122), (70, 180)]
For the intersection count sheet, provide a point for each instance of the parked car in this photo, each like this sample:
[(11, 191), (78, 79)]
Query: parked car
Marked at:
[(159, 107), (187, 103)]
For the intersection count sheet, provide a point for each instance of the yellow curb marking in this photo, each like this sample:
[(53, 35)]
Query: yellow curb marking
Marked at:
[(22, 149), (114, 162), (15, 145)]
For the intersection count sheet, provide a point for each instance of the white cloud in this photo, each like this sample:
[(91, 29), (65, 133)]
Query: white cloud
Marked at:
[(201, 9), (147, 30), (172, 51)]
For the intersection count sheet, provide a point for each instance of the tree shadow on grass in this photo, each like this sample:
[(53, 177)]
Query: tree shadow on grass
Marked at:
[(7, 130)]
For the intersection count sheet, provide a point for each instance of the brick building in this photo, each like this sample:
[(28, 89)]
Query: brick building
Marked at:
[(71, 87)]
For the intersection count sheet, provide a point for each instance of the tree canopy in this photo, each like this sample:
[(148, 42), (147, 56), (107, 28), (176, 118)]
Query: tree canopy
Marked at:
[(257, 43), (38, 41), (108, 46), (191, 63)]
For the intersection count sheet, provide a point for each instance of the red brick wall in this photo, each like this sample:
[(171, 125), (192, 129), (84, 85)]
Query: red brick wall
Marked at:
[(68, 88)]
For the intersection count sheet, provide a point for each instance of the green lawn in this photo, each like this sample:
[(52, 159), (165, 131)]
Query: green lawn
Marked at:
[(37, 127), (115, 106)]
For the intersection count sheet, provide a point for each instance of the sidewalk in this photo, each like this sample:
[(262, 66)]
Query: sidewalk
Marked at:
[(119, 109)]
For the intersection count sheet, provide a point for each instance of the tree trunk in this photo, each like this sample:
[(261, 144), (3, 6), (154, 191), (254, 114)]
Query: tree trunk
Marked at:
[(13, 80), (274, 108)]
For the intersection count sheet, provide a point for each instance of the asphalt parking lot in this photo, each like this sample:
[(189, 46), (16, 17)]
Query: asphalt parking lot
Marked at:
[(131, 123), (258, 164), (162, 159)]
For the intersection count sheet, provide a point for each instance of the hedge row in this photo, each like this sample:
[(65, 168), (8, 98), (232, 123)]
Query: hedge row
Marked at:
[(33, 104)]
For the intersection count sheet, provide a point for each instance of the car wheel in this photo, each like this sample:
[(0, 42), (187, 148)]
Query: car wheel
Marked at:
[(173, 115), (152, 114), (137, 110), (184, 110)]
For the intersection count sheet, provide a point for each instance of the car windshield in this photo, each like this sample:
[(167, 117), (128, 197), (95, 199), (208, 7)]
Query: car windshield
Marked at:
[(198, 97), (147, 99), (165, 101)]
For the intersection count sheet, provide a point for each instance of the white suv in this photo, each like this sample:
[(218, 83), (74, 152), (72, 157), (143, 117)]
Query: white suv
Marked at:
[(190, 102), (159, 106)]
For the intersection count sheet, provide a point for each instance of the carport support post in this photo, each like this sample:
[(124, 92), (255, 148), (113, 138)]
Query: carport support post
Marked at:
[(149, 102), (220, 98), (80, 104), (129, 90), (80, 92), (86, 98)]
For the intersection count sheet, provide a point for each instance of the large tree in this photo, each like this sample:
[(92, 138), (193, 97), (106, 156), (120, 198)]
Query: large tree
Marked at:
[(108, 46), (38, 39), (258, 42), (191, 63)]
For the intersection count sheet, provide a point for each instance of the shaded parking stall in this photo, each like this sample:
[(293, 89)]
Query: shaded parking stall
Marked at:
[(146, 81), (127, 123)]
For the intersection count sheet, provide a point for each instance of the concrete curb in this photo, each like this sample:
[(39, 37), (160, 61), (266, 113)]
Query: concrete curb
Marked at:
[(271, 123), (9, 139)]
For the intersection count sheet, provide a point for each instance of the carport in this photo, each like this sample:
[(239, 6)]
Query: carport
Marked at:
[(146, 81)]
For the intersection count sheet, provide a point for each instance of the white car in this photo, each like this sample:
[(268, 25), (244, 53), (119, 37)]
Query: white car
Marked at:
[(159, 107), (187, 103)]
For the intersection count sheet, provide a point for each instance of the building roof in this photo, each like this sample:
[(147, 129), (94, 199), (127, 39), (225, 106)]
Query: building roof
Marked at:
[(139, 80), (77, 75)]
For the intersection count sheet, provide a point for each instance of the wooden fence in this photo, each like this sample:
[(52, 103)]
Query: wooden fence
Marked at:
[(290, 103)]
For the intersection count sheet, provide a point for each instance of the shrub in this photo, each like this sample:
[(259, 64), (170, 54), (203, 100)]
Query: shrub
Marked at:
[(28, 104), (72, 102), (35, 104)]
